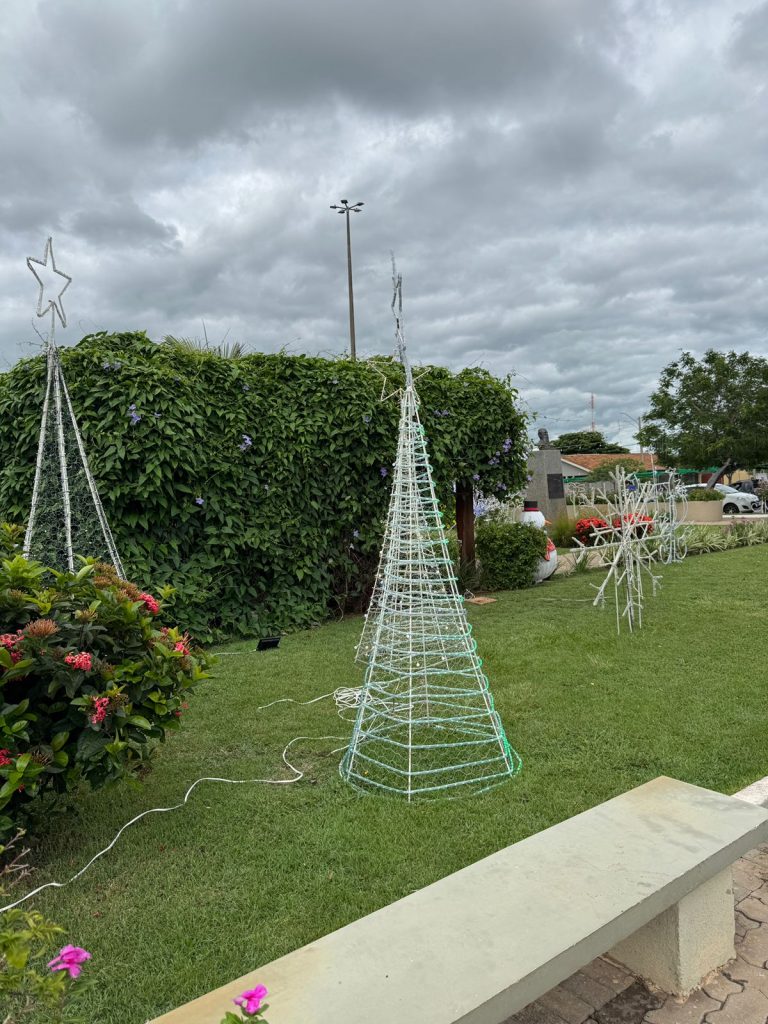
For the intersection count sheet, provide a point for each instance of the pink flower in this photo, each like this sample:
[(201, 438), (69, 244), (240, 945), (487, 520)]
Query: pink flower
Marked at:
[(69, 959), (80, 661), (5, 758), (151, 603), (182, 647), (252, 999), (99, 705), (8, 640)]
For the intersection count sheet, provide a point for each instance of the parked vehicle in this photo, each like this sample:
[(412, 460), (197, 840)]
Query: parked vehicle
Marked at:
[(733, 501)]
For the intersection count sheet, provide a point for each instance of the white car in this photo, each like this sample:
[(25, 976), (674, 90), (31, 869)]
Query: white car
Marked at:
[(733, 501)]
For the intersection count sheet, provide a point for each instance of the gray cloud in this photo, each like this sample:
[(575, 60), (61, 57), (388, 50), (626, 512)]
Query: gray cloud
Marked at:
[(575, 189)]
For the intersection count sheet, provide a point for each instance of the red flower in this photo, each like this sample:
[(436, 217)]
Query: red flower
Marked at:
[(151, 603), (99, 705), (9, 640), (80, 661), (585, 529), (643, 524), (5, 758)]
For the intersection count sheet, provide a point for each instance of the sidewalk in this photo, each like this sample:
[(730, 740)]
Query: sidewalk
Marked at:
[(605, 993)]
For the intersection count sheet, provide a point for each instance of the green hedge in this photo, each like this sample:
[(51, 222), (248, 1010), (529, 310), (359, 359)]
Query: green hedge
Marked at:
[(509, 554), (290, 523)]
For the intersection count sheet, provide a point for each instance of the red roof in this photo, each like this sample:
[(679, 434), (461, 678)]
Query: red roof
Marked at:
[(592, 461)]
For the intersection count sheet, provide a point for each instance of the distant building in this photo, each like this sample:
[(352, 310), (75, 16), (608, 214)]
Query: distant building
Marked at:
[(582, 465)]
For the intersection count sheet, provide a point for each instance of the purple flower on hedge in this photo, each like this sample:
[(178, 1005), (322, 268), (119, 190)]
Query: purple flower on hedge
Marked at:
[(508, 442), (384, 471), (199, 501), (355, 534), (366, 419), (247, 442), (475, 476), (246, 387)]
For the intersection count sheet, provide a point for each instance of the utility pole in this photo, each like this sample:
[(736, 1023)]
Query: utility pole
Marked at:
[(345, 208), (592, 405)]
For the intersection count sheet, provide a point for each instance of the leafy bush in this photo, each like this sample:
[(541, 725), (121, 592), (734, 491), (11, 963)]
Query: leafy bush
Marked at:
[(257, 485), (89, 682), (704, 539), (29, 980), (704, 494), (509, 554), (603, 470), (562, 531), (584, 529)]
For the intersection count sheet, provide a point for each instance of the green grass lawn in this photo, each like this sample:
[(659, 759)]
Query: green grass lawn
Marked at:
[(243, 874)]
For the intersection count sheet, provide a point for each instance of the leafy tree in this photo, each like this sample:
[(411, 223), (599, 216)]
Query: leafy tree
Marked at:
[(603, 470), (712, 411), (586, 442)]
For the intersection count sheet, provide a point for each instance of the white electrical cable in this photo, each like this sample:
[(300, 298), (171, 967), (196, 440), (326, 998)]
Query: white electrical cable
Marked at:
[(345, 697)]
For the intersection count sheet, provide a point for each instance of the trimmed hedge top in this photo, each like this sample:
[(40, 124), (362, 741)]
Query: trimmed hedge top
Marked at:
[(257, 486)]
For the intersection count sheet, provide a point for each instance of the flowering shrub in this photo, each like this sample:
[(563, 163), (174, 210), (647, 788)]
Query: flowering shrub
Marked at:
[(251, 1004), (643, 524), (584, 531), (26, 938), (89, 683)]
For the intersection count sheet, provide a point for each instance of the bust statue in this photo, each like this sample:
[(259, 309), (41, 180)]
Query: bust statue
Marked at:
[(544, 441)]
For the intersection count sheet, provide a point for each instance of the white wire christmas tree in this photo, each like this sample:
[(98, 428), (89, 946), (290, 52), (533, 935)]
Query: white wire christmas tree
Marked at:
[(426, 725), (66, 516)]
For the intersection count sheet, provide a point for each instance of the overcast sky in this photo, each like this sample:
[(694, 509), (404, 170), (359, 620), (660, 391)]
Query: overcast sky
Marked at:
[(575, 190)]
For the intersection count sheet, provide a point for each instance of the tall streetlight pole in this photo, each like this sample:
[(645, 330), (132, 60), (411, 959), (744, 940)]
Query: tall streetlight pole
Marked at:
[(639, 421), (347, 209)]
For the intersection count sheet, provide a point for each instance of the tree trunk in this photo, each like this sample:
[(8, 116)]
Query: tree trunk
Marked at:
[(716, 477), (465, 521)]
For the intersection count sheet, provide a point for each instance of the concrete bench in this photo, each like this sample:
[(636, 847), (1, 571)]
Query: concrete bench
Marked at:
[(645, 876)]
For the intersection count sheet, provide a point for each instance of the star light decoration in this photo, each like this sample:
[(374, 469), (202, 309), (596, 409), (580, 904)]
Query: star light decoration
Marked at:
[(626, 546), (53, 285), (66, 516)]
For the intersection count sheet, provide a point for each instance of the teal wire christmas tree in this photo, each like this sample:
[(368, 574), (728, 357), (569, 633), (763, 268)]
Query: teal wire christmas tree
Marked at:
[(426, 725)]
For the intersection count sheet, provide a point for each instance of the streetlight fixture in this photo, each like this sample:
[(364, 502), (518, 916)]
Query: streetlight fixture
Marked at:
[(347, 209), (637, 420)]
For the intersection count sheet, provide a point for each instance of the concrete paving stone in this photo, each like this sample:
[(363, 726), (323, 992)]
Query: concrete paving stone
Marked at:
[(630, 1007), (745, 881), (754, 909), (609, 974), (571, 1008), (758, 894), (747, 974), (590, 991), (692, 1011), (754, 946), (760, 858), (535, 1013), (747, 1007), (743, 921), (719, 987)]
